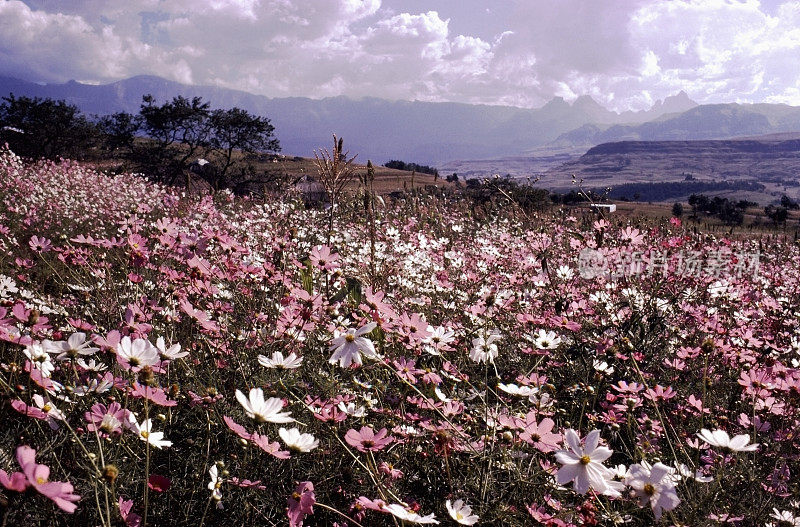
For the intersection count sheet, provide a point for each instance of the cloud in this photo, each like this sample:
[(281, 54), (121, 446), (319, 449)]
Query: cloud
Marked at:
[(624, 53)]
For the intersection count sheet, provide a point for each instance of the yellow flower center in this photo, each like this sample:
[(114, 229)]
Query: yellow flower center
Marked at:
[(145, 434), (649, 489), (47, 407), (40, 480), (349, 338), (585, 460)]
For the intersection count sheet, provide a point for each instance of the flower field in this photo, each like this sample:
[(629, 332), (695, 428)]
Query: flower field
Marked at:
[(216, 360)]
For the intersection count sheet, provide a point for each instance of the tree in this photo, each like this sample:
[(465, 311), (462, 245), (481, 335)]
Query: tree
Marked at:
[(118, 131), (789, 203), (677, 209), (44, 128), (180, 129), (778, 215), (411, 167), (236, 129)]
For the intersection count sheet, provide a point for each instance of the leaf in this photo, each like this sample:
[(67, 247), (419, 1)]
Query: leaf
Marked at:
[(352, 288)]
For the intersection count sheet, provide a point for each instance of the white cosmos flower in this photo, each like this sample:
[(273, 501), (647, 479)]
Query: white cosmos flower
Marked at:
[(297, 441), (546, 340), (682, 471), (347, 348), (654, 486), (92, 365), (137, 352), (461, 512), (441, 395), (564, 272), (785, 517), (216, 483), (721, 439), (146, 434), (401, 512), (171, 353), (280, 362), (263, 410), (484, 348), (74, 346), (94, 386), (513, 389), (7, 286), (53, 413), (438, 338), (40, 358), (583, 464), (351, 409), (602, 367)]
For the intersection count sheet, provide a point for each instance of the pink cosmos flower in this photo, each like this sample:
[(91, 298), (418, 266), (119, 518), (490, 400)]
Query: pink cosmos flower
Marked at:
[(131, 519), (153, 394), (389, 470), (40, 245), (322, 258), (37, 476), (106, 420), (366, 503), (301, 503), (158, 483), (541, 435), (367, 439), (16, 481), (406, 369)]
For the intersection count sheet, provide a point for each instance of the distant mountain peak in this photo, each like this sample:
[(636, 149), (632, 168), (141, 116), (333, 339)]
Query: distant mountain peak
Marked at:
[(556, 102), (680, 102), (586, 102)]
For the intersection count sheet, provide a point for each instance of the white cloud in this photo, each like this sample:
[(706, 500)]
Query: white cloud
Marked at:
[(624, 53)]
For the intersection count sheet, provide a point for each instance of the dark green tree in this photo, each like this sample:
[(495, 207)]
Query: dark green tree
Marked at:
[(677, 209), (235, 130), (180, 132), (44, 128), (789, 203), (778, 215), (118, 131)]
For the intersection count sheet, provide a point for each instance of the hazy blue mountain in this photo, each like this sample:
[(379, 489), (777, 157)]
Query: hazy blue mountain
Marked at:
[(432, 133), (711, 121), (374, 128)]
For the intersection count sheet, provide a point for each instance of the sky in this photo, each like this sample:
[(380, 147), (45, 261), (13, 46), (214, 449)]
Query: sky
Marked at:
[(626, 54)]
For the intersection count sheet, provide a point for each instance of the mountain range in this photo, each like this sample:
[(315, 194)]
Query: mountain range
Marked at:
[(437, 133)]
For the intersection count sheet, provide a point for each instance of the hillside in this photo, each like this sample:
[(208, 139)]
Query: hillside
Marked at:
[(760, 170), (708, 122), (290, 169)]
